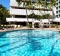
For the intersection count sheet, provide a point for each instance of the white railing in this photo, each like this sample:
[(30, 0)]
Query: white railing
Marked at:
[(20, 20), (23, 12)]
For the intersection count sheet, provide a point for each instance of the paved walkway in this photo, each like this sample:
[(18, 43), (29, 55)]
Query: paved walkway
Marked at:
[(10, 29)]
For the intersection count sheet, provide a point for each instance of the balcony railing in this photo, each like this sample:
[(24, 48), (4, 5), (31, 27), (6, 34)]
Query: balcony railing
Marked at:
[(23, 12)]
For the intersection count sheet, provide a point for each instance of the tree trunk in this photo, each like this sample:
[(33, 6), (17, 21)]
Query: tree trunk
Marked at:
[(32, 23), (49, 23), (40, 18), (53, 13), (33, 15), (40, 23), (27, 16)]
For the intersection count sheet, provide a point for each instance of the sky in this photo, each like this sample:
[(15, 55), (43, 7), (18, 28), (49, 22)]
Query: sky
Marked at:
[(5, 3)]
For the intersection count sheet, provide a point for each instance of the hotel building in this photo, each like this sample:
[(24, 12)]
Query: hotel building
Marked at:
[(58, 8), (18, 14)]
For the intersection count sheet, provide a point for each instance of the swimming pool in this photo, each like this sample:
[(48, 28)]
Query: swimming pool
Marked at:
[(30, 43)]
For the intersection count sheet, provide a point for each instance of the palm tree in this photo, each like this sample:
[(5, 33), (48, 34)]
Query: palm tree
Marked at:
[(49, 5), (33, 14), (45, 4), (3, 14), (52, 5), (39, 17), (19, 2), (26, 4), (40, 4)]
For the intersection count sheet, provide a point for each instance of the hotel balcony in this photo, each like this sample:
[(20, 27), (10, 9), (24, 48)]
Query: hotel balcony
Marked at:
[(21, 20), (14, 11), (25, 20)]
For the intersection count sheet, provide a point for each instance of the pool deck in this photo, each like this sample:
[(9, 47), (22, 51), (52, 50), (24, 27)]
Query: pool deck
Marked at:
[(23, 28)]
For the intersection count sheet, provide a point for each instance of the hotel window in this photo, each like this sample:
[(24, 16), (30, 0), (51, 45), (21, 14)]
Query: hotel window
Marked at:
[(59, 11), (56, 7), (59, 6), (56, 3), (59, 15), (59, 2), (56, 11), (56, 15), (20, 16)]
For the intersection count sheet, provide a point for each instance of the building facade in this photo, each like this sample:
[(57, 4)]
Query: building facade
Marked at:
[(18, 13), (58, 8)]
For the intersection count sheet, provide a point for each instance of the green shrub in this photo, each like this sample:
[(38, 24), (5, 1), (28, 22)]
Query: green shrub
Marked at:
[(30, 25)]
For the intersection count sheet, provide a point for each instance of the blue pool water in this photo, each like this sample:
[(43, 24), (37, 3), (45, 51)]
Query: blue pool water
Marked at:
[(30, 43)]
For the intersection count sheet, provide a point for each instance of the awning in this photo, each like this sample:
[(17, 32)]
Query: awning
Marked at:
[(56, 20)]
